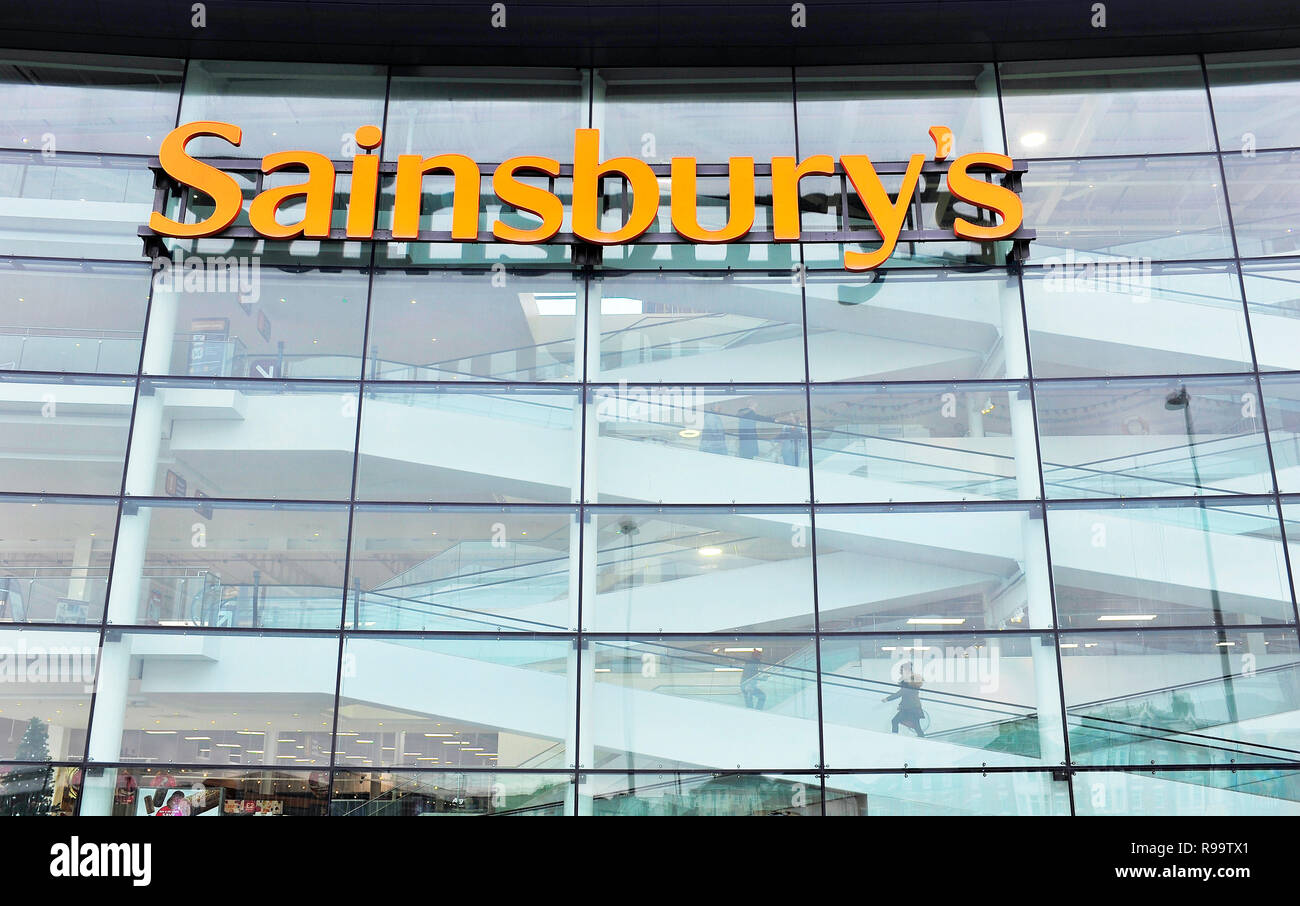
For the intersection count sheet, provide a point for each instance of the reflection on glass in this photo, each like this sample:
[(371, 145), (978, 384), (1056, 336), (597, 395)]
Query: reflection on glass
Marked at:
[(219, 698), (1133, 208), (45, 693), (889, 442), (950, 795), (714, 257), (691, 327), (1152, 438), (1273, 299), (66, 316), (691, 570), (488, 114), (932, 568), (271, 323), (262, 439), (73, 206), (65, 102), (54, 559), (711, 114), (480, 793), (1265, 202), (1084, 108), (941, 700), (39, 790), (1253, 96), (477, 570), (683, 444), (887, 111), (1235, 792), (1183, 697), (72, 437), (718, 702), (1168, 564), (479, 703), (430, 326), (900, 326), (698, 795), (223, 792), (1282, 407), (463, 444), (1135, 318), (207, 565), (282, 105)]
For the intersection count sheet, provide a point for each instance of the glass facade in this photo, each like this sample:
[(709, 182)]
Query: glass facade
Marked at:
[(390, 528)]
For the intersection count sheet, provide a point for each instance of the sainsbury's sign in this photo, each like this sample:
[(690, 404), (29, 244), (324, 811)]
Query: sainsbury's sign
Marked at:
[(315, 194)]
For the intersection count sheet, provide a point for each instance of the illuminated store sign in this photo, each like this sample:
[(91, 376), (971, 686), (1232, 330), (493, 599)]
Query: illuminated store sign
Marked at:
[(316, 195)]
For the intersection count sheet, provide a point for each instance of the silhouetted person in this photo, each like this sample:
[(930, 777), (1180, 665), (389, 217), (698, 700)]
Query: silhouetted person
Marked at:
[(909, 701), (747, 448), (713, 435), (754, 697)]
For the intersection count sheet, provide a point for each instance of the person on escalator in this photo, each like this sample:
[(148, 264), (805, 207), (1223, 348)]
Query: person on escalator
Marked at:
[(909, 712), (755, 697)]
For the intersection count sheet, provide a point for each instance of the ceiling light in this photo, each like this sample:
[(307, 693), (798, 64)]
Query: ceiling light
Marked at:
[(1032, 139)]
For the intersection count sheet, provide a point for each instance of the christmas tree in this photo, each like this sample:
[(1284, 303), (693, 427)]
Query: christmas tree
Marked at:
[(26, 790)]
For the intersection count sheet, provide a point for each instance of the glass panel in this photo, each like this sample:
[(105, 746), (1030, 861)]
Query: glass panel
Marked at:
[(1253, 97), (1135, 318), (177, 792), (711, 114), (690, 570), (1273, 298), (1121, 210), (1152, 438), (1282, 405), (1168, 564), (900, 326), (1235, 792), (941, 700), (480, 570), (272, 323), (928, 568), (923, 442), (46, 680), (949, 795), (73, 433), (73, 206), (721, 702), (54, 559), (276, 565), (221, 698), (457, 326), (45, 790), (695, 327), (699, 795), (262, 439), (63, 102), (1183, 697), (462, 444), (283, 105), (490, 115), (1265, 202), (685, 445), (65, 316), (1081, 108), (887, 111), (505, 702), (427, 793)]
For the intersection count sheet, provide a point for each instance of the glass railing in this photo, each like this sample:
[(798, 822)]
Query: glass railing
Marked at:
[(56, 349)]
